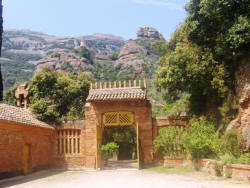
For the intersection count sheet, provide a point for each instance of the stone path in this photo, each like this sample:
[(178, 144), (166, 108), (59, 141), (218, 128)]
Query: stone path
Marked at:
[(119, 178)]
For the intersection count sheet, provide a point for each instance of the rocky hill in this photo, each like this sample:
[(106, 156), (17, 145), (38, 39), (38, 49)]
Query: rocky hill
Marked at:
[(102, 55)]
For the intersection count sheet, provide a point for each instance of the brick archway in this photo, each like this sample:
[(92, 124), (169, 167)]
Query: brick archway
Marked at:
[(131, 99)]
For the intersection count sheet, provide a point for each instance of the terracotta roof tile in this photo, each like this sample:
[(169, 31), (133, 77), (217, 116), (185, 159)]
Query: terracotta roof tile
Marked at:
[(128, 93), (20, 115)]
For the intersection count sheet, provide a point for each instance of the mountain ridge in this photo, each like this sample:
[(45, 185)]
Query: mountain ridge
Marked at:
[(25, 51)]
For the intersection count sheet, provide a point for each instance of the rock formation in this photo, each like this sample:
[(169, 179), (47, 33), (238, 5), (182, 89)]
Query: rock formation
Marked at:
[(149, 33), (242, 122), (62, 60)]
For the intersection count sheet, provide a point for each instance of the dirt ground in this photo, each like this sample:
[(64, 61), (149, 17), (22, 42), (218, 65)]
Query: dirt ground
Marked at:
[(120, 178)]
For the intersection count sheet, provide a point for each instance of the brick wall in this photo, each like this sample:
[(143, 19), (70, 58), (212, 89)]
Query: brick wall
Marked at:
[(13, 137), (142, 113), (71, 159)]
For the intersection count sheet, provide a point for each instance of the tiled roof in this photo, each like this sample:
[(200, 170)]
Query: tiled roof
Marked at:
[(128, 93), (20, 115)]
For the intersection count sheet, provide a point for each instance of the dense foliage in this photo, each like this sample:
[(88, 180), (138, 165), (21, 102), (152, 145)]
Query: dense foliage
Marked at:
[(169, 141), (125, 137), (203, 54), (57, 96), (9, 97), (16, 68), (110, 148), (200, 140)]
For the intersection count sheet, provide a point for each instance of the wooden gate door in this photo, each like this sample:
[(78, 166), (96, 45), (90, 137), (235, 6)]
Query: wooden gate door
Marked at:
[(26, 158), (98, 147)]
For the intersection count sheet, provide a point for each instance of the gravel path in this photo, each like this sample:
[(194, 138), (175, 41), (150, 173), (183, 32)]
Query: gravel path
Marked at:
[(120, 178)]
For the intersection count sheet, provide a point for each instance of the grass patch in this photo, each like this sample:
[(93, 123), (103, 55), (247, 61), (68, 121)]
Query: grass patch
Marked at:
[(170, 169)]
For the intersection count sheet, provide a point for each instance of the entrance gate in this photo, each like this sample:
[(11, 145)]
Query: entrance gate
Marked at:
[(118, 104), (116, 119)]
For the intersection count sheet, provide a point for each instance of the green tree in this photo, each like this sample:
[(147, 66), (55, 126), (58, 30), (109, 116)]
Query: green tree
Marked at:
[(58, 96), (221, 25), (202, 55)]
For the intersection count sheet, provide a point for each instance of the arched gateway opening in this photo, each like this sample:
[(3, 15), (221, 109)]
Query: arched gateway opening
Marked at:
[(109, 106)]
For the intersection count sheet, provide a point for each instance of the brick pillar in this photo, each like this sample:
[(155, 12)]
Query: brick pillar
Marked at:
[(90, 136)]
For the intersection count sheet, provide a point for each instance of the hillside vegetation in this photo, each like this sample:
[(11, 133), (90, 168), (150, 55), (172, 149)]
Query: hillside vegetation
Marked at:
[(198, 64)]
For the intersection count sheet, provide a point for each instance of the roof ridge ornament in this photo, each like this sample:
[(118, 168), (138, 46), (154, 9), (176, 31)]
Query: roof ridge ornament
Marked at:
[(119, 84)]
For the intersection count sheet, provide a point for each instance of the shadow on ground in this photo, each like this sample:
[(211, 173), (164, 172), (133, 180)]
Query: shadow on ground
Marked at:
[(30, 177), (120, 164)]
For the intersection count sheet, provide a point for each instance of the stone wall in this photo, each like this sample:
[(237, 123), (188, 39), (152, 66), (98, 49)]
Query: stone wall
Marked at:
[(238, 171), (13, 137), (142, 113)]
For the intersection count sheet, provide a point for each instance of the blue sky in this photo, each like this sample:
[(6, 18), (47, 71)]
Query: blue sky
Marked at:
[(85, 17)]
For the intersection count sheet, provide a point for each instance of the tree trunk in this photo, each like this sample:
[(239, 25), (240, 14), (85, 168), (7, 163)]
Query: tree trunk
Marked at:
[(1, 33)]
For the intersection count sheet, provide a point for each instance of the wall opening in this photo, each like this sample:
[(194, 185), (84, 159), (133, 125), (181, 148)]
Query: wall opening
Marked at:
[(125, 137), (68, 141)]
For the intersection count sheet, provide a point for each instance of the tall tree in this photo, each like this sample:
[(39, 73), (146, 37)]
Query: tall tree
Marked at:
[(1, 32)]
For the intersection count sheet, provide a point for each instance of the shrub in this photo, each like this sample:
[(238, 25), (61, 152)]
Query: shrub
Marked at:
[(169, 141), (227, 159), (200, 140), (230, 143), (110, 148), (55, 55), (228, 173), (84, 52), (218, 169), (114, 55), (244, 159)]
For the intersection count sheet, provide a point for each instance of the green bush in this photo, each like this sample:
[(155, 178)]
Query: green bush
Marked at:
[(169, 141), (55, 55), (230, 143), (200, 140), (244, 159), (110, 148), (114, 55), (218, 169), (227, 159)]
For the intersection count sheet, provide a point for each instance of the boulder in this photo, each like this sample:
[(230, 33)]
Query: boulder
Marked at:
[(149, 33), (242, 122)]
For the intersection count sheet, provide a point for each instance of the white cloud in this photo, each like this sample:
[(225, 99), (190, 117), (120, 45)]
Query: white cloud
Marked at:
[(166, 3)]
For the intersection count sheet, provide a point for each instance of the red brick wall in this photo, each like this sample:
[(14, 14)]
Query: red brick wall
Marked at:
[(143, 115), (13, 137), (75, 160)]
